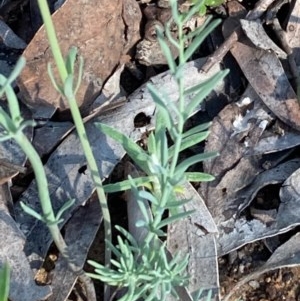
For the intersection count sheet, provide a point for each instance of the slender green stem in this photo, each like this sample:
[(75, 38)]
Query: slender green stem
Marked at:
[(181, 101), (78, 123), (92, 164), (52, 38), (43, 191)]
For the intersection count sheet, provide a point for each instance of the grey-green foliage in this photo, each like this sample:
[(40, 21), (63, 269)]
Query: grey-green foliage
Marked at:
[(144, 268)]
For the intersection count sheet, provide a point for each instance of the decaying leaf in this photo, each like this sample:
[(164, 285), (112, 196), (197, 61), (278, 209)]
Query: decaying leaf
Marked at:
[(22, 284), (196, 236), (256, 33), (236, 231), (102, 32), (265, 74)]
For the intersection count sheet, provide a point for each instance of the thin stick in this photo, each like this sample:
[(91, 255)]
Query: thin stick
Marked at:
[(219, 54)]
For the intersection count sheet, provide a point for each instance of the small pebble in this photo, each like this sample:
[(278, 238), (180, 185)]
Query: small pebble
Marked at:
[(241, 268), (268, 280), (254, 284), (287, 276), (272, 292)]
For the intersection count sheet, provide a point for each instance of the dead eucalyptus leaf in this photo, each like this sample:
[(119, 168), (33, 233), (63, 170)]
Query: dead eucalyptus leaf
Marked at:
[(231, 169), (264, 72), (102, 32), (256, 33), (196, 236), (237, 231)]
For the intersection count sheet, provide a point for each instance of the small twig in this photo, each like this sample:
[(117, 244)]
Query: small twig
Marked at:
[(259, 9), (219, 54)]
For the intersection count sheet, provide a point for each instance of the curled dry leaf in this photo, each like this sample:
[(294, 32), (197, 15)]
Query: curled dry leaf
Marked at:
[(102, 32), (266, 75)]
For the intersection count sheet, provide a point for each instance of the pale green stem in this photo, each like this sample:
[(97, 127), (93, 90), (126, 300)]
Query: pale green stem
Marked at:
[(43, 191), (177, 143), (51, 34), (78, 123), (92, 164)]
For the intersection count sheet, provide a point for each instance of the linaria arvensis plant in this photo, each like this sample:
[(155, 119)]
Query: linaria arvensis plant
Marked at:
[(143, 268)]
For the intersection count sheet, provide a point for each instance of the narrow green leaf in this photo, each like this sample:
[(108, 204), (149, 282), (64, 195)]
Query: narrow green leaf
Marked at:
[(13, 75), (135, 152), (148, 196), (128, 236), (166, 51), (183, 166), (4, 282), (197, 294), (174, 218), (31, 212), (151, 144), (162, 146), (189, 141), (177, 204), (25, 124), (197, 129), (113, 248), (70, 61), (144, 211), (193, 10), (159, 122), (57, 87), (197, 30), (198, 88), (68, 87), (209, 295), (198, 177), (80, 74), (170, 37), (159, 102), (200, 38), (115, 263), (199, 97), (65, 207), (181, 265), (5, 137), (126, 184), (175, 12), (7, 123)]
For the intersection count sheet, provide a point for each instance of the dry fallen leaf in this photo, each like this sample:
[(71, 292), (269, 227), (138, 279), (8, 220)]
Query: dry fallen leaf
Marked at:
[(102, 32)]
